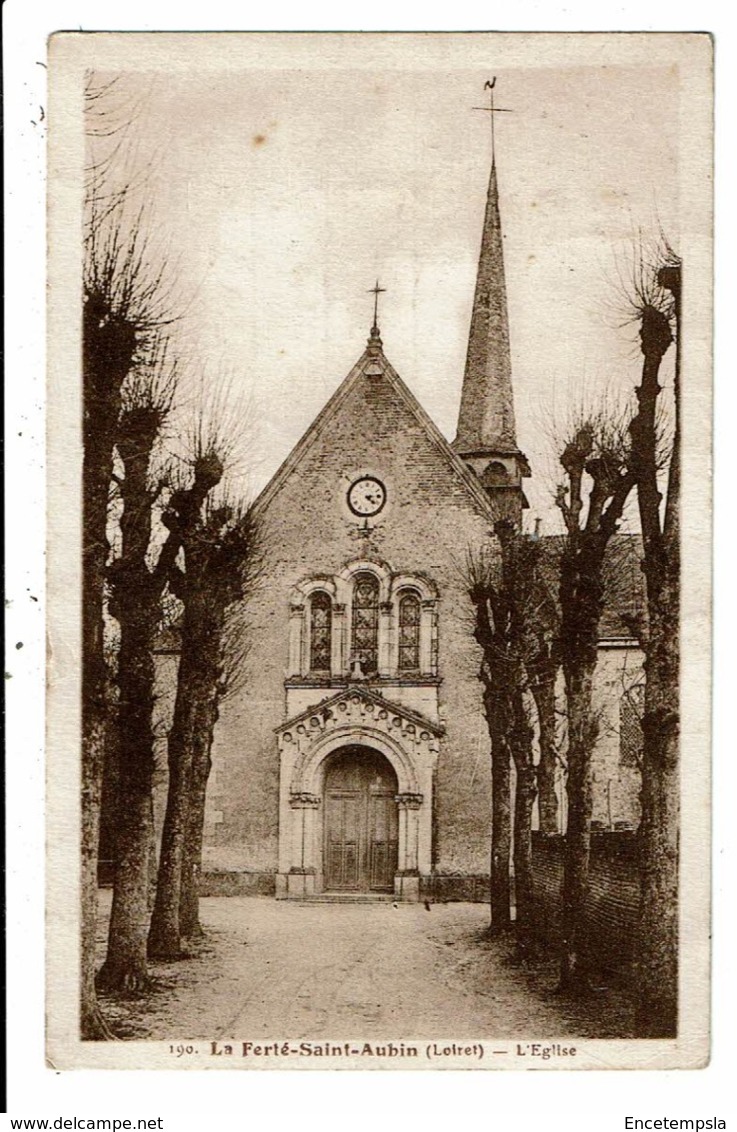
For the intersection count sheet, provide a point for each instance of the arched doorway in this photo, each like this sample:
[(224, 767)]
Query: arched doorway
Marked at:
[(360, 821)]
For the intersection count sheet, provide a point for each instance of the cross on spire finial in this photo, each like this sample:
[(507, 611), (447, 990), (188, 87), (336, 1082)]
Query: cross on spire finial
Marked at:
[(491, 109), (376, 291)]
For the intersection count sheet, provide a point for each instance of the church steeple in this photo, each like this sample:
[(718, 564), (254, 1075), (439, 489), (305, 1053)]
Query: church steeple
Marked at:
[(486, 419), (486, 437)]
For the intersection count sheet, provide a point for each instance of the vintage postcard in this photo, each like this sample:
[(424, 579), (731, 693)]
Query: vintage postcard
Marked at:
[(379, 550)]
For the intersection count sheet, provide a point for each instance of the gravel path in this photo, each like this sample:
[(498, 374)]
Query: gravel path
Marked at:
[(281, 969)]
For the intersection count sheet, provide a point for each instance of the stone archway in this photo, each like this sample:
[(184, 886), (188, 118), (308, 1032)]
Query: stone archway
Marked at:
[(354, 718)]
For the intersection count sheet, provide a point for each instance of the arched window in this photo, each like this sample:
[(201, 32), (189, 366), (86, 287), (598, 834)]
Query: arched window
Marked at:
[(409, 633), (365, 622), (321, 621), (496, 475), (630, 727)]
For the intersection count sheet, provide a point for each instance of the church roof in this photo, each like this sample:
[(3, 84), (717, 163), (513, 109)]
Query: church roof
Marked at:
[(374, 365), (368, 696), (486, 417), (624, 616)]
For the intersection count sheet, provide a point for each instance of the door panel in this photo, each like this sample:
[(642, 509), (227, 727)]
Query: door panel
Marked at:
[(344, 819), (382, 841), (360, 822)]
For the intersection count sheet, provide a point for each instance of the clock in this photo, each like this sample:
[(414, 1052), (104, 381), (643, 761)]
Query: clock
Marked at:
[(366, 496)]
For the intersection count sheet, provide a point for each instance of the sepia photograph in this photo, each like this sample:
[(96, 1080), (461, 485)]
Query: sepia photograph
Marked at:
[(379, 550)]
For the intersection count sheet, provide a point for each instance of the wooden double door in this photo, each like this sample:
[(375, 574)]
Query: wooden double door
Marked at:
[(360, 822)]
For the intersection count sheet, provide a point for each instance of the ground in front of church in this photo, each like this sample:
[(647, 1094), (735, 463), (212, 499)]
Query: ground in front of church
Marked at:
[(272, 970)]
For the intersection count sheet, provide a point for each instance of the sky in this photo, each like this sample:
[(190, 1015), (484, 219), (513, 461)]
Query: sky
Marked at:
[(282, 189)]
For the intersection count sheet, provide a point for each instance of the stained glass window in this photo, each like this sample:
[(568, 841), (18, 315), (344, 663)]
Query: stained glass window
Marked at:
[(409, 633), (365, 623), (321, 618)]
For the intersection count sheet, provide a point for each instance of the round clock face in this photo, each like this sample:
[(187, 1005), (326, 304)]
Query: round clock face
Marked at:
[(366, 496)]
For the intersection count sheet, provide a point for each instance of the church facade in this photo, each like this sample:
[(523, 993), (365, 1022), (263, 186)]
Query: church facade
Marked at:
[(355, 759)]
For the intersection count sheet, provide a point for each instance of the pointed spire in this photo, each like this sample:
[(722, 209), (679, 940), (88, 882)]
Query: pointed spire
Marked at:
[(486, 418)]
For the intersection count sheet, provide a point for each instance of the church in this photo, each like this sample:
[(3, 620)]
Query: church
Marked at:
[(354, 763)]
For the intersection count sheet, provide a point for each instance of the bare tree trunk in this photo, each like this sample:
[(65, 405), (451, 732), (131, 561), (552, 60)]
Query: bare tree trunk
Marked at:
[(136, 604), (107, 351), (543, 691), (125, 966), (657, 950), (189, 902), (514, 624), (501, 837), (574, 974), (92, 1024), (657, 942), (524, 798), (164, 939), (193, 856)]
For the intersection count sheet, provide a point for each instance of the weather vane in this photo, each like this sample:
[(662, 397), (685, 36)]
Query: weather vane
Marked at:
[(376, 291), (491, 109)]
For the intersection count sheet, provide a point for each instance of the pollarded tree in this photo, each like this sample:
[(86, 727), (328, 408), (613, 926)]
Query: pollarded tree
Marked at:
[(543, 665), (598, 482), (124, 308), (516, 626), (110, 341), (138, 578), (217, 570), (658, 312), (492, 628), (126, 302), (135, 596), (534, 625)]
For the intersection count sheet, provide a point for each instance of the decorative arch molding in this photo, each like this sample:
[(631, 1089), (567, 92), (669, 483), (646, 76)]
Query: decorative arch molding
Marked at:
[(420, 583), (306, 588), (376, 566), (306, 776)]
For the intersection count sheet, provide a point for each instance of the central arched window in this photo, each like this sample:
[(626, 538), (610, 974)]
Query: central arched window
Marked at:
[(321, 621), (409, 633), (365, 622)]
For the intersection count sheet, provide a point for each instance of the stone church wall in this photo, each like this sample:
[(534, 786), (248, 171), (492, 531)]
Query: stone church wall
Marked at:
[(429, 524)]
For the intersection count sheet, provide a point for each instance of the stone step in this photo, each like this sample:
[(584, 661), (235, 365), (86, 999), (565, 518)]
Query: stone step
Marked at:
[(350, 898)]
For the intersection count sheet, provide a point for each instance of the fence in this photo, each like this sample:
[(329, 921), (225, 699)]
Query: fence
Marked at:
[(614, 893)]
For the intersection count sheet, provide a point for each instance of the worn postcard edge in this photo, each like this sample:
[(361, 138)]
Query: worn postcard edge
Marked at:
[(70, 54)]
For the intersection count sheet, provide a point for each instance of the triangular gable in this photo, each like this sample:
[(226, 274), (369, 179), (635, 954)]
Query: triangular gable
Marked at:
[(370, 359), (368, 696)]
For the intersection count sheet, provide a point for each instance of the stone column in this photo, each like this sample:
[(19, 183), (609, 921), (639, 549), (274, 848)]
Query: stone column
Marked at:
[(427, 627), (301, 876), (337, 642), (296, 637), (407, 881)]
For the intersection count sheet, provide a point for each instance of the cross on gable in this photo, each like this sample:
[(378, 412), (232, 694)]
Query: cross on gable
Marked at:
[(376, 291)]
